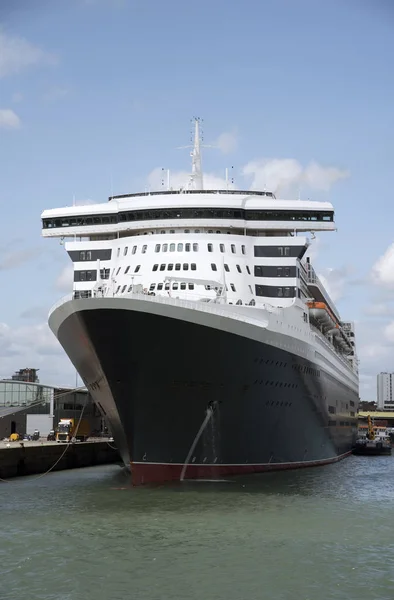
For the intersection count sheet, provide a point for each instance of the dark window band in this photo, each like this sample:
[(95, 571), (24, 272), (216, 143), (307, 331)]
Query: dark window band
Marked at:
[(85, 275), (273, 291), (280, 251), (271, 271), (189, 213), (89, 255)]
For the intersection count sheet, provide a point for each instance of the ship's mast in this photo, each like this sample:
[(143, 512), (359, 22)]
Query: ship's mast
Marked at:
[(196, 178)]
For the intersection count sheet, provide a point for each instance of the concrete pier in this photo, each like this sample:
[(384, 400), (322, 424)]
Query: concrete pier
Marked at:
[(29, 458)]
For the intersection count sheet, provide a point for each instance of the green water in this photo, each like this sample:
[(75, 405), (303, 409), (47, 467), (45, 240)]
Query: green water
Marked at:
[(315, 534)]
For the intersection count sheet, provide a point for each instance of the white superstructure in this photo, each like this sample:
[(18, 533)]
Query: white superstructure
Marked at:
[(240, 248)]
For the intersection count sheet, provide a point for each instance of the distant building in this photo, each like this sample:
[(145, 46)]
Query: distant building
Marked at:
[(26, 406), (28, 375), (385, 391)]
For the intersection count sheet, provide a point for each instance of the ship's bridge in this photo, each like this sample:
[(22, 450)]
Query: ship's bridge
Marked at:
[(248, 211)]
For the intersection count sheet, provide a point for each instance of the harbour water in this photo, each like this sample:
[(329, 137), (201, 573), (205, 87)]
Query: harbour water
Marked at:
[(314, 534)]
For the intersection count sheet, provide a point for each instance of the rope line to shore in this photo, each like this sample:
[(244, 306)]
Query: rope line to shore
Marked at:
[(34, 478)]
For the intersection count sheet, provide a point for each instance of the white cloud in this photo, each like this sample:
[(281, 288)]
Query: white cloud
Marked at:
[(9, 119), (64, 282), (227, 142), (380, 309), (335, 281), (321, 178), (383, 269), (34, 346), (389, 331), (17, 53), (287, 175)]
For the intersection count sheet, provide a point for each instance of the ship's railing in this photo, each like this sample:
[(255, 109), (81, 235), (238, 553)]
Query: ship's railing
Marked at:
[(330, 346), (313, 279), (208, 307)]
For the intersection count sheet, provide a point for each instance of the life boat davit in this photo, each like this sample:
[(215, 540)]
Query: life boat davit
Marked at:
[(321, 314)]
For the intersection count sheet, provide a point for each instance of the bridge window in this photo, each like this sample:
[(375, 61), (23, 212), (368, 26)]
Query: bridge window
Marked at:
[(125, 251), (243, 249), (213, 267), (195, 247), (183, 286), (172, 247), (233, 248), (210, 247), (193, 266), (159, 286), (170, 267), (180, 247), (187, 247), (134, 250), (157, 248), (144, 249), (226, 268), (185, 267), (239, 269), (165, 247), (178, 267), (233, 287), (137, 268), (221, 246), (155, 267), (124, 289), (191, 286), (127, 270), (162, 267), (175, 285)]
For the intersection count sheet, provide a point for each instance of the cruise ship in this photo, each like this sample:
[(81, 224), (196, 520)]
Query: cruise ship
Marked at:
[(203, 332)]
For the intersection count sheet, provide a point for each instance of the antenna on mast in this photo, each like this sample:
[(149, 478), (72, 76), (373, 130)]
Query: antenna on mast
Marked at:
[(196, 179)]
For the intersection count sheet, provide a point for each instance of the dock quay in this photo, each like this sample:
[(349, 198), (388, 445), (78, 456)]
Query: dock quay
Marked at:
[(30, 458)]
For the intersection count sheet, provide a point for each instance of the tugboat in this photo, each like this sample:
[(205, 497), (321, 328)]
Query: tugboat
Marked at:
[(375, 442)]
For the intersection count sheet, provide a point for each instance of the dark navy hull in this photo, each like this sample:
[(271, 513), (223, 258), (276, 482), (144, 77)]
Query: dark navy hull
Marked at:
[(155, 377)]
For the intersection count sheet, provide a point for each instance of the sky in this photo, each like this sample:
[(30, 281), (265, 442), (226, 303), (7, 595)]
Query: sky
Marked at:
[(97, 96)]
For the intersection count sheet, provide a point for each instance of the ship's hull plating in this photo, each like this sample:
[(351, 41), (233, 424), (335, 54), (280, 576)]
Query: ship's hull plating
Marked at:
[(160, 379)]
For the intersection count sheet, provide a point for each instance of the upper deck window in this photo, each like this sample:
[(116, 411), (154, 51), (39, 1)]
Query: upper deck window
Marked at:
[(157, 248), (165, 248), (134, 250), (221, 246), (172, 247), (125, 251), (144, 248), (195, 247), (233, 248), (210, 247), (187, 247), (243, 249), (180, 247), (161, 214)]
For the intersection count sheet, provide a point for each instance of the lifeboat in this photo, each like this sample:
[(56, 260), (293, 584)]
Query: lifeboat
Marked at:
[(320, 313)]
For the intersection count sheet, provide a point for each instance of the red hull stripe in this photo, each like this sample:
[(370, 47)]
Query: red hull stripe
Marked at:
[(145, 472)]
